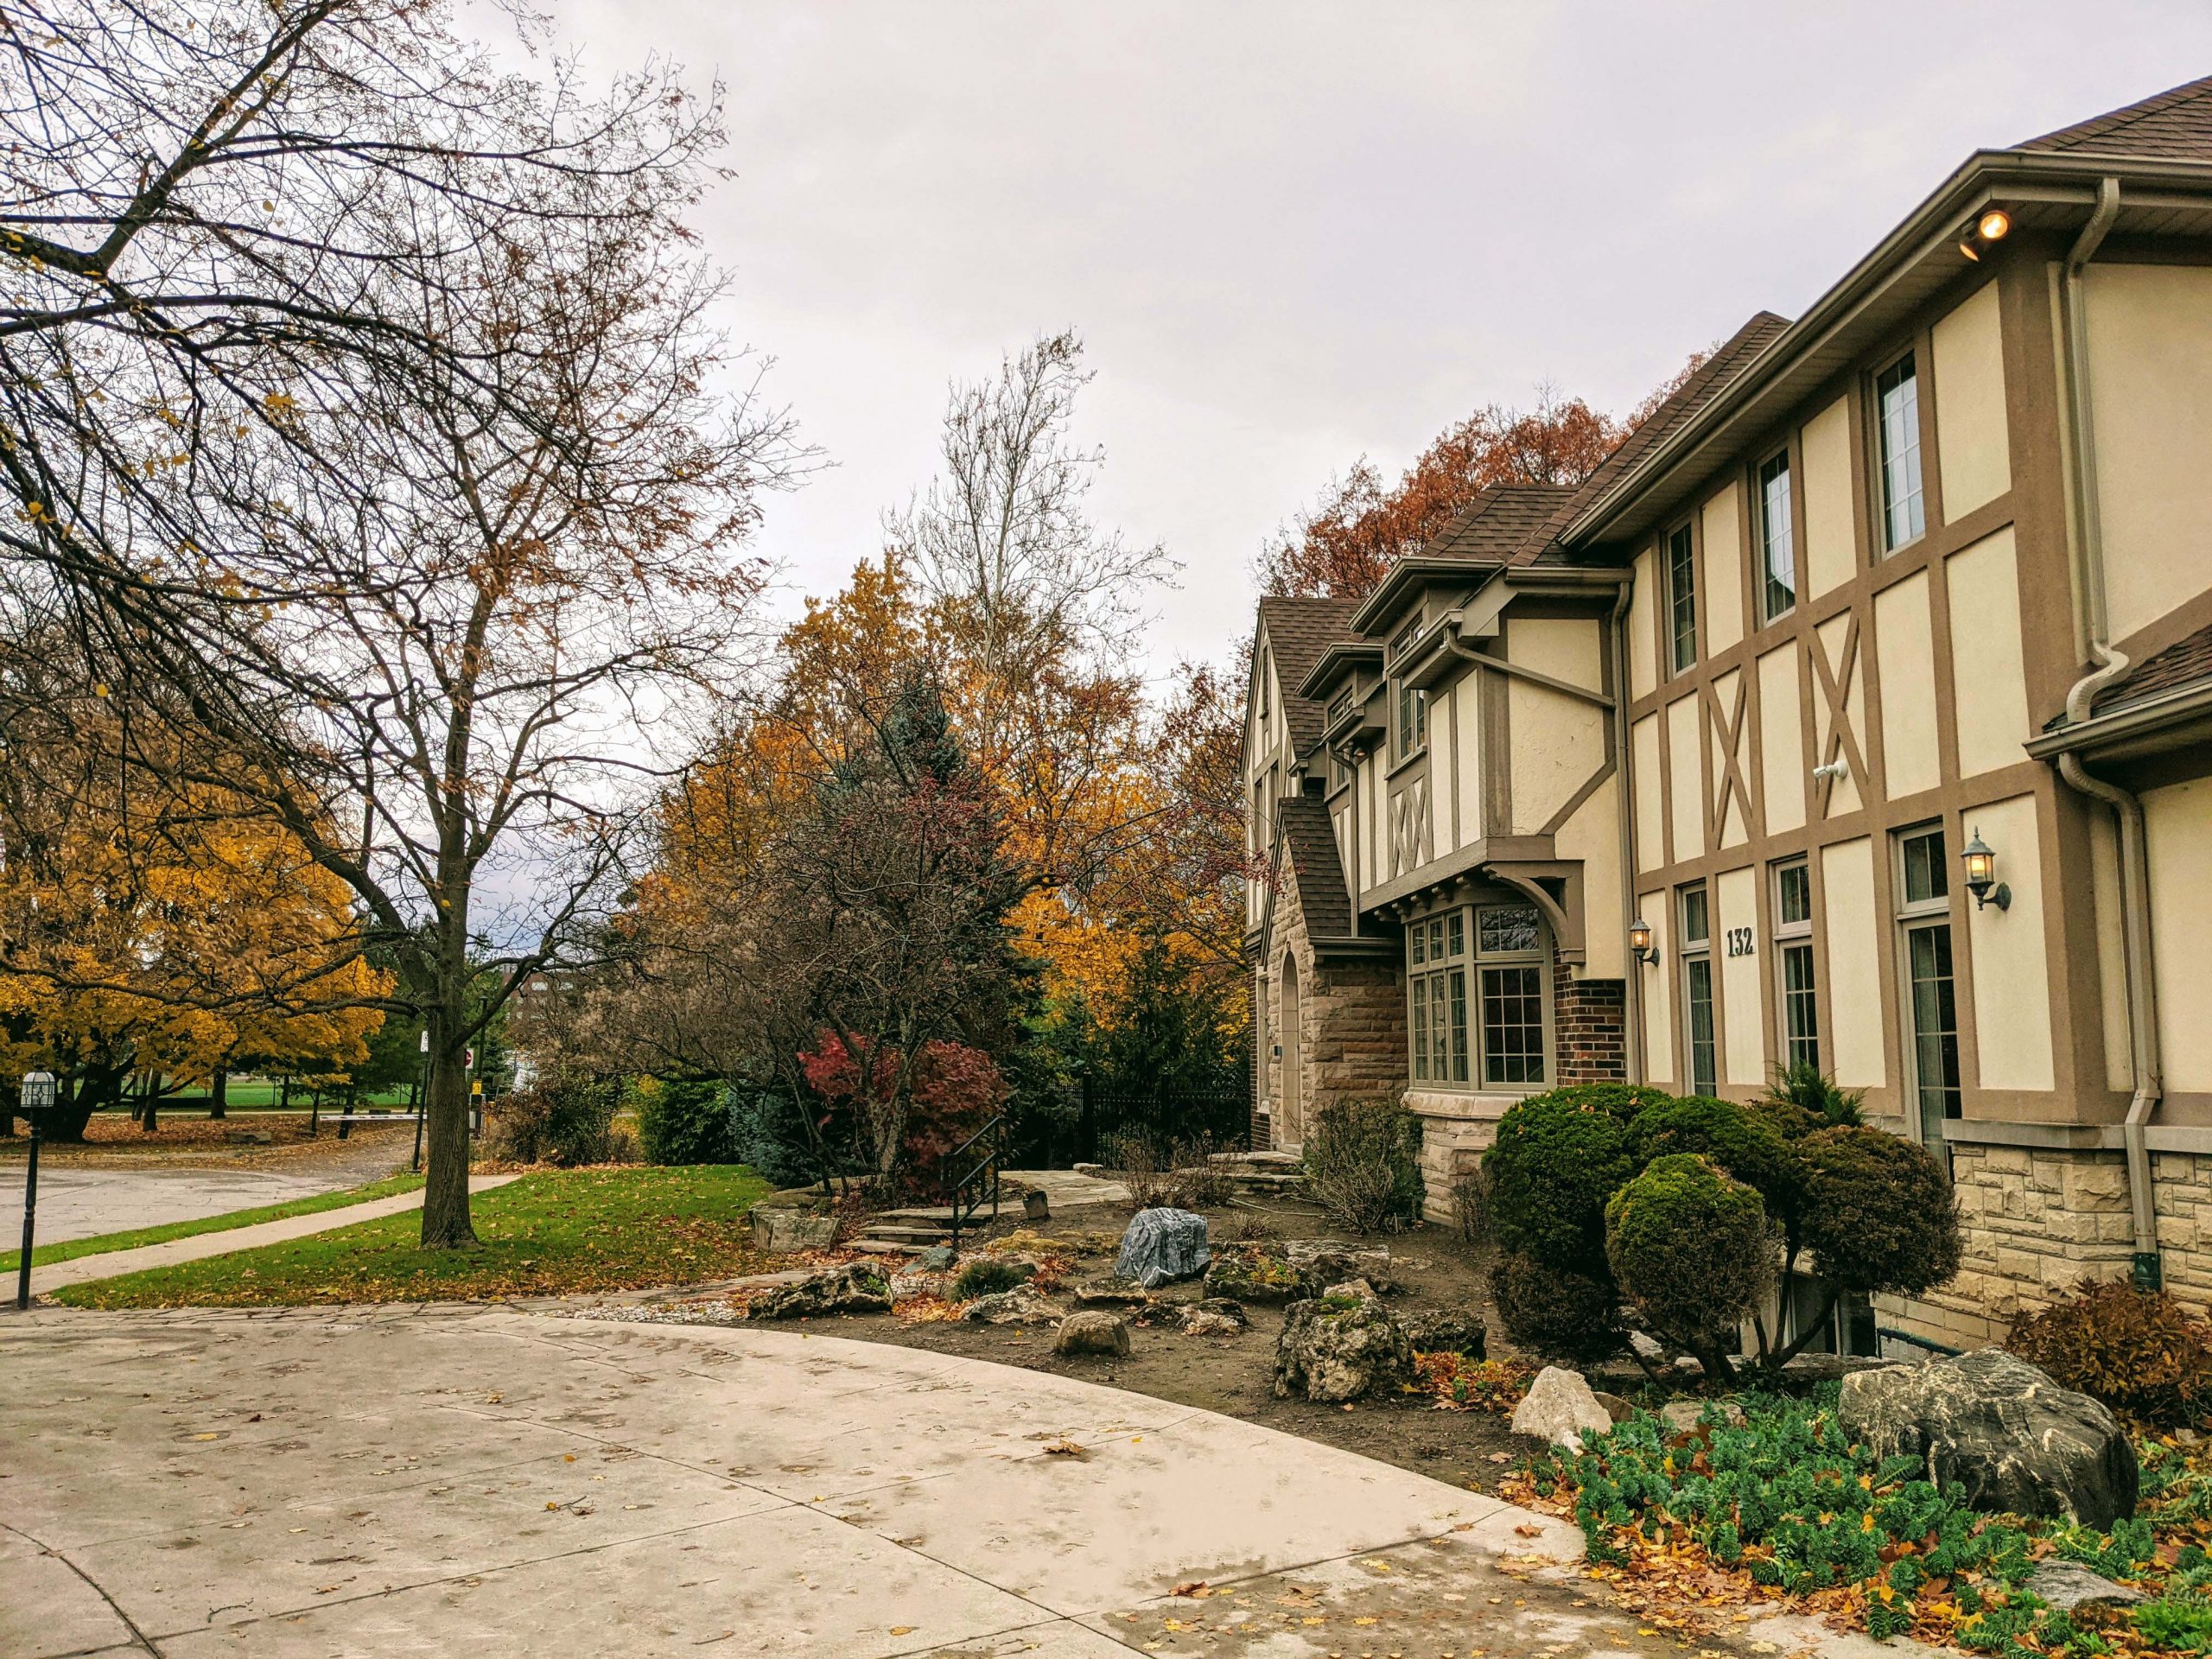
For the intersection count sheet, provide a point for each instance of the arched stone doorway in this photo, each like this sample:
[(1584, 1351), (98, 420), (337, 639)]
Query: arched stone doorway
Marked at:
[(1290, 1028)]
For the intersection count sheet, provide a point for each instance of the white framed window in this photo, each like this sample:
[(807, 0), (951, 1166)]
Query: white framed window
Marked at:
[(1412, 723), (1923, 888), (1699, 1052), (1797, 992), (1478, 997), (1682, 599), (1897, 421), (1778, 541)]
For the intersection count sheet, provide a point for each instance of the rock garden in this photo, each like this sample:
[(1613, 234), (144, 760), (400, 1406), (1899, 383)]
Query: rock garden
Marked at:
[(1599, 1340)]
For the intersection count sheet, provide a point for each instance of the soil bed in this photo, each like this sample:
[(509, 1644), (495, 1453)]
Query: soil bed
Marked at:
[(1234, 1376)]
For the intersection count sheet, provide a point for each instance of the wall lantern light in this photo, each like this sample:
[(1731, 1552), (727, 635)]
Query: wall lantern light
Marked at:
[(1982, 876), (1639, 941)]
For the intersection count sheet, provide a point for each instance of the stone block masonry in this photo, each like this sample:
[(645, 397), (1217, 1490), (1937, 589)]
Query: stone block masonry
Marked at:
[(2036, 1221)]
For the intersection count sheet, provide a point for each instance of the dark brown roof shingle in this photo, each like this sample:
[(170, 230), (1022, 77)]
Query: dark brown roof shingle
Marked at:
[(1499, 520), (2183, 663), (2176, 125), (1712, 375), (1299, 631), (1310, 848)]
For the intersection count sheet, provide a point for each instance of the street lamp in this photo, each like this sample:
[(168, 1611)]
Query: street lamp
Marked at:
[(37, 1100)]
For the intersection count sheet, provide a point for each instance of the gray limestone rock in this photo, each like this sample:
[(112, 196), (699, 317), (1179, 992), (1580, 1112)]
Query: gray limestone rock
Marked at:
[(1216, 1316), (1020, 1305), (1320, 1263), (1338, 1347), (1162, 1246), (2069, 1585), (1558, 1406), (1093, 1331), (1442, 1330), (850, 1288), (2000, 1428)]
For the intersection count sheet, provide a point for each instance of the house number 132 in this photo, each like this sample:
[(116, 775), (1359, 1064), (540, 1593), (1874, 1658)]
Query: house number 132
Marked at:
[(1739, 942)]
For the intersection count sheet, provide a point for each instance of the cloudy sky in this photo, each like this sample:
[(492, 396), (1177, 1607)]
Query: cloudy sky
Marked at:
[(1294, 234)]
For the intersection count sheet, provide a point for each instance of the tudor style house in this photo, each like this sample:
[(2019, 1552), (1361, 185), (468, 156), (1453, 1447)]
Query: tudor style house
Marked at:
[(1857, 710)]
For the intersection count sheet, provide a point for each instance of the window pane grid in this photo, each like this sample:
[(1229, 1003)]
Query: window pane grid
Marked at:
[(1897, 393), (1777, 544), (1800, 1007), (1681, 591), (1513, 1025), (1698, 981), (1934, 1027)]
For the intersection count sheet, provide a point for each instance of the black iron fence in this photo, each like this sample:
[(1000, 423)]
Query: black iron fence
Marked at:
[(1107, 1118)]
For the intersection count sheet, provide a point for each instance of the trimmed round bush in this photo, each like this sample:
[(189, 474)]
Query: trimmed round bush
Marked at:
[(1623, 1101), (2137, 1351), (686, 1120), (1879, 1214), (1689, 1245), (1743, 1145), (1557, 1158), (1555, 1313)]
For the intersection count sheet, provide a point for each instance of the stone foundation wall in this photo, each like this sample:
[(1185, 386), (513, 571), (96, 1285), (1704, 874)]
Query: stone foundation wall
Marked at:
[(1352, 1027), (2037, 1221), (1589, 1023)]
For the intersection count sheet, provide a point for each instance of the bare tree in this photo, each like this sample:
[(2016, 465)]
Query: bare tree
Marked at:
[(362, 403)]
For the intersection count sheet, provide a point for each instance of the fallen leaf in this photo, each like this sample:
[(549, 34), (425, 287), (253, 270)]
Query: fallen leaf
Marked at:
[(1067, 1449), (1195, 1588), (1528, 1532), (902, 1630)]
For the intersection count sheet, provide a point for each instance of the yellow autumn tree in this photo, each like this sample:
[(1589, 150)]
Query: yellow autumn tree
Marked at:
[(148, 927)]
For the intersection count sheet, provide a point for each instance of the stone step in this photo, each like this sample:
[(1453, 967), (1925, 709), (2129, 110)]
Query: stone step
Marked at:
[(938, 1215), (885, 1246), (1257, 1160), (919, 1237)]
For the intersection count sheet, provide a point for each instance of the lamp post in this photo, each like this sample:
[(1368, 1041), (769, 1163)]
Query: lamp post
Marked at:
[(422, 1099), (37, 1100)]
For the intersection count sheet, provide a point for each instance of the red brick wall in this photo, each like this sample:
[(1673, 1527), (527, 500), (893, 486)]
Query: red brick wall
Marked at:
[(1589, 1017)]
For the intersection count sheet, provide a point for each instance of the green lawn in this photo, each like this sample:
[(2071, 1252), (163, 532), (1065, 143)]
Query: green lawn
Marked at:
[(70, 1250), (586, 1230)]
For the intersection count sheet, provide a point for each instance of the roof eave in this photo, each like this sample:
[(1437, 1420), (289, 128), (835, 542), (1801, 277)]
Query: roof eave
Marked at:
[(1930, 227), (1412, 571), (1331, 666)]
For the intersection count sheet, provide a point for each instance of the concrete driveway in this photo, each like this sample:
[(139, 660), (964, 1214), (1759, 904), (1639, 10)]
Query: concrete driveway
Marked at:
[(493, 1481)]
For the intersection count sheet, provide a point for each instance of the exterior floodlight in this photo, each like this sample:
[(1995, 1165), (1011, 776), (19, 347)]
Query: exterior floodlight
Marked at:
[(1992, 226)]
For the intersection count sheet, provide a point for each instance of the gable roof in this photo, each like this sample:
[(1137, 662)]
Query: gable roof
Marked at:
[(2174, 125), (1299, 631), (1500, 518), (1309, 847), (1706, 383)]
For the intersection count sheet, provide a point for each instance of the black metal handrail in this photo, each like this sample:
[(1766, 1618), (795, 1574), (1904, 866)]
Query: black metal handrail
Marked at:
[(964, 1193)]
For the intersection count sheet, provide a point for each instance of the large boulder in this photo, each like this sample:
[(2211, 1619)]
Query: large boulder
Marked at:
[(1320, 1263), (1444, 1330), (1093, 1331), (1162, 1246), (1253, 1272), (1020, 1305), (1338, 1348), (850, 1288), (2001, 1429), (1558, 1406)]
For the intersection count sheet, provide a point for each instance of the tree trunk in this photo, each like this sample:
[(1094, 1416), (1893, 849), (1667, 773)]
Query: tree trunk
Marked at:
[(150, 1119), (446, 1224), (68, 1120), (218, 1090)]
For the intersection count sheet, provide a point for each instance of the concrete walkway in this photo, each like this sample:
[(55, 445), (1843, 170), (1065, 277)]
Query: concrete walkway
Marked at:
[(114, 1264), (494, 1481)]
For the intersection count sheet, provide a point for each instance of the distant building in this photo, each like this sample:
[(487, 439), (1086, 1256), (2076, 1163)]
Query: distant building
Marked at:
[(1929, 568)]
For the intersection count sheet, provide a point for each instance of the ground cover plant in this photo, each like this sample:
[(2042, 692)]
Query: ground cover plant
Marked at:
[(69, 1249), (545, 1235), (1784, 1505)]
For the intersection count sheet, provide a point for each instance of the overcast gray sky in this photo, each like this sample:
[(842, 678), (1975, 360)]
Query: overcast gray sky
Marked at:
[(1293, 234)]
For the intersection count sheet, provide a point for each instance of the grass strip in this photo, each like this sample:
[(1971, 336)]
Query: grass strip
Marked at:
[(557, 1233), (69, 1249)]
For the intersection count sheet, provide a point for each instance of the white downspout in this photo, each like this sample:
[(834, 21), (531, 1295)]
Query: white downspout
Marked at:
[(2087, 540)]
